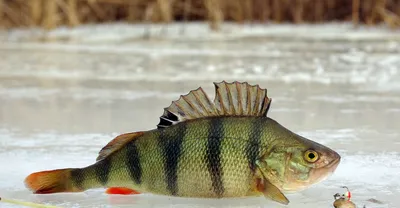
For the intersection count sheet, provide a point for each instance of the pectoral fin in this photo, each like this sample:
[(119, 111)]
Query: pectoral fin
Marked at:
[(270, 191), (266, 187)]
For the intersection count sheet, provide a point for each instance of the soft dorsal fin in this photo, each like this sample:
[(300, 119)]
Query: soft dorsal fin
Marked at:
[(117, 143), (231, 99)]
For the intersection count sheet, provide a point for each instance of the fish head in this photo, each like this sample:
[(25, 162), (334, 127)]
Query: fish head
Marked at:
[(308, 164), (295, 163)]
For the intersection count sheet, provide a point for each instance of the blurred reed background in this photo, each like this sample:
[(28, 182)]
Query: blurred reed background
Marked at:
[(50, 14)]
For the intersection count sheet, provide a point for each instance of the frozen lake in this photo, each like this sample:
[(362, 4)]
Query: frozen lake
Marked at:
[(63, 100)]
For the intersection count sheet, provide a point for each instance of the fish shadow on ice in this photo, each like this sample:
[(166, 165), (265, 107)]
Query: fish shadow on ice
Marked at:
[(150, 200), (94, 199)]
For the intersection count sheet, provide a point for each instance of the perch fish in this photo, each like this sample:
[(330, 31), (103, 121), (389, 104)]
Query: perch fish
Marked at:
[(203, 149)]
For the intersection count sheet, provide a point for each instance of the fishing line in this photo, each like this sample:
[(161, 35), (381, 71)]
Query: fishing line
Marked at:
[(28, 204)]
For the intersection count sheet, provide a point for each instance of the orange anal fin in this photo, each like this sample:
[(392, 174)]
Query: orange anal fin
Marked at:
[(121, 191)]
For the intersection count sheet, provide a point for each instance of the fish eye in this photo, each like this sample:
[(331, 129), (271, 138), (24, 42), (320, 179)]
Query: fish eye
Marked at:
[(311, 156)]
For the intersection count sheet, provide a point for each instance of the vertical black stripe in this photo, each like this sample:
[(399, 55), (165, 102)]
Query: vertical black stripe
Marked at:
[(170, 140), (133, 162), (213, 155), (254, 142), (77, 178), (102, 170)]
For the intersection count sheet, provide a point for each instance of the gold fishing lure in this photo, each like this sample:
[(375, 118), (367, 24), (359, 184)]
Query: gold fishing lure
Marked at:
[(204, 149)]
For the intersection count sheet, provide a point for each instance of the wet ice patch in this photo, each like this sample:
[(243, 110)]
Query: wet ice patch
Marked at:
[(199, 31), (369, 176), (362, 139), (376, 171), (80, 94), (28, 152), (343, 98), (47, 140), (253, 52), (26, 92), (329, 136)]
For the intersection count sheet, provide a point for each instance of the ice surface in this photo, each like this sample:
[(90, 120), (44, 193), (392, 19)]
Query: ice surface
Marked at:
[(64, 99)]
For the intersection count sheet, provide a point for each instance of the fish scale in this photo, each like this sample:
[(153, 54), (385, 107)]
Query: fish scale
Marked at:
[(133, 163), (204, 149), (216, 134), (171, 144)]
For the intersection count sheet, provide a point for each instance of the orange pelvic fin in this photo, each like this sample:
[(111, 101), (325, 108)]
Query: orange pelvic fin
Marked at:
[(53, 181), (121, 191)]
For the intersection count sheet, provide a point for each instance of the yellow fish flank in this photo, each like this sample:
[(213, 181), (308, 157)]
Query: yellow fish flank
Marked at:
[(204, 149)]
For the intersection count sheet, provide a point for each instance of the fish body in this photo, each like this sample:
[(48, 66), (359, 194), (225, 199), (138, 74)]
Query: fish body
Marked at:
[(228, 148)]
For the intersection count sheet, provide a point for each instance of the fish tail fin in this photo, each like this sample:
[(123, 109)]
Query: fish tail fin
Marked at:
[(52, 181)]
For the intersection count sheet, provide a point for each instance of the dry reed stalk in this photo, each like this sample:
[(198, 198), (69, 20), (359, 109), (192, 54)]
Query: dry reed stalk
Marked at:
[(97, 10), (115, 2), (110, 13), (186, 11), (355, 12), (214, 13), (319, 11), (298, 11), (277, 10), (73, 19), (371, 14), (36, 11), (8, 13), (266, 10), (53, 13), (331, 4), (165, 9), (1, 12), (148, 14), (23, 13), (133, 11), (376, 9), (248, 10), (398, 8), (380, 8), (50, 14), (199, 9), (83, 12), (387, 16), (149, 11), (390, 18), (241, 10), (235, 10), (88, 13)]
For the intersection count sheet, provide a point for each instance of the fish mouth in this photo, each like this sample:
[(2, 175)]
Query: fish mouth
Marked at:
[(323, 173), (333, 165)]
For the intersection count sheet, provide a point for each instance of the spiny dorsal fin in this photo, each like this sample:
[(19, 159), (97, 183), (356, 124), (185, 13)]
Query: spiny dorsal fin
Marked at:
[(241, 99), (117, 143), (195, 104), (231, 99)]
